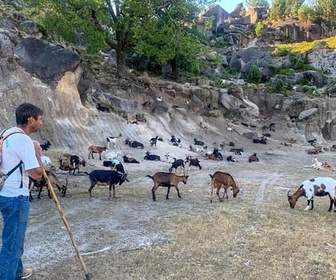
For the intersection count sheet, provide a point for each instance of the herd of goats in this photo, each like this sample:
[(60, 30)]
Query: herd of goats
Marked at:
[(116, 175)]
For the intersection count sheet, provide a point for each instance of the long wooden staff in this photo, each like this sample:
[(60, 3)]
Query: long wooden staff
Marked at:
[(60, 211)]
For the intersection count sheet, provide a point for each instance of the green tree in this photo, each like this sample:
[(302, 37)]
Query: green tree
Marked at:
[(326, 11), (259, 29), (277, 9), (283, 9), (257, 3), (306, 14), (159, 29), (171, 36)]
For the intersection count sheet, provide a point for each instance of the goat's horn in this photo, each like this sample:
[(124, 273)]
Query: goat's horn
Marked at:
[(288, 193)]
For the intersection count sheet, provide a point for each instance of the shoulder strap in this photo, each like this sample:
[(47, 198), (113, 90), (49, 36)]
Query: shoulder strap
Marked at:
[(14, 168)]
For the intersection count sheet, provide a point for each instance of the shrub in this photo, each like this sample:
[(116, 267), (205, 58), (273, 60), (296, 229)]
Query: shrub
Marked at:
[(254, 74)]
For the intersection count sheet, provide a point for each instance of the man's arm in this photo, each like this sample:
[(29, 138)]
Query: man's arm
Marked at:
[(36, 173)]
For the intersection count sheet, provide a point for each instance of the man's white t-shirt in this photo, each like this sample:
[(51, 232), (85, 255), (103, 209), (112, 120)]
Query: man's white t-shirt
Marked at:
[(18, 146)]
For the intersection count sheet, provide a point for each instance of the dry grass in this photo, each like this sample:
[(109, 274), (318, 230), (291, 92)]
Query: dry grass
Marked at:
[(255, 236)]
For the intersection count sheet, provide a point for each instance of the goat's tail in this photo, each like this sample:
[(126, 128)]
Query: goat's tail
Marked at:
[(86, 173), (149, 176)]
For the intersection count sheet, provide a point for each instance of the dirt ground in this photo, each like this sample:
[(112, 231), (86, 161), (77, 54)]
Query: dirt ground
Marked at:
[(131, 222)]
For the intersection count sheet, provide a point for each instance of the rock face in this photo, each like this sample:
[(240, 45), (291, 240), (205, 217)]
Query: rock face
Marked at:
[(47, 61), (298, 32), (54, 79)]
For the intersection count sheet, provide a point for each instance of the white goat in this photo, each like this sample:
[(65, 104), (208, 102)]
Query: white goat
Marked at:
[(111, 155), (316, 164), (46, 160), (319, 186), (113, 140)]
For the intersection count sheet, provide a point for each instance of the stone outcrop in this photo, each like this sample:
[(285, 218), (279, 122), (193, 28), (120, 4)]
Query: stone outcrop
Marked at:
[(298, 31)]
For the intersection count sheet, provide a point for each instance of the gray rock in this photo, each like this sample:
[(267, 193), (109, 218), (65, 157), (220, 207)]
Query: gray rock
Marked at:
[(307, 113), (49, 62)]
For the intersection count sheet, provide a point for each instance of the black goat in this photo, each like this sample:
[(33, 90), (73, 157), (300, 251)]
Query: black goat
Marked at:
[(45, 146), (153, 141), (43, 182), (114, 164), (237, 151), (261, 140), (149, 156), (134, 144), (176, 164), (173, 139), (312, 141), (198, 142), (75, 162), (102, 108), (193, 162), (231, 158), (107, 178)]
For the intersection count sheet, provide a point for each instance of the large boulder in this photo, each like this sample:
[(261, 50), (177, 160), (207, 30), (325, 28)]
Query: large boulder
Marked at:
[(47, 61)]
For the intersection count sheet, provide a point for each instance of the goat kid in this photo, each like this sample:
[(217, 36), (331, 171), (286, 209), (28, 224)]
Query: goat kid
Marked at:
[(319, 186), (223, 180), (168, 180)]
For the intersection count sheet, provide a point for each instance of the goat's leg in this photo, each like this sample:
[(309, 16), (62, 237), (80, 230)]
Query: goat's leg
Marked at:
[(178, 191), (308, 205), (113, 191), (220, 199), (99, 156), (39, 193), (153, 192), (212, 187), (331, 203), (30, 197), (90, 190), (168, 191)]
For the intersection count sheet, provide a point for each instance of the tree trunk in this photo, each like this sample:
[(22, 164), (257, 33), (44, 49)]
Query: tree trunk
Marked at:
[(121, 54)]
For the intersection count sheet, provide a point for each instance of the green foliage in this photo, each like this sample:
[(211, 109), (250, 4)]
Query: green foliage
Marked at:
[(68, 21), (254, 75), (208, 23), (283, 9), (257, 3), (306, 14), (278, 86), (286, 71), (259, 29), (325, 11)]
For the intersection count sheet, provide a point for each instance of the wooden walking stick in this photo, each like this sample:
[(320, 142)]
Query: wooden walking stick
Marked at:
[(60, 211)]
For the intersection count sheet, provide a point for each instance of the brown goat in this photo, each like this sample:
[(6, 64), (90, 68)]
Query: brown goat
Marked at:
[(165, 179), (223, 180), (96, 150), (253, 158)]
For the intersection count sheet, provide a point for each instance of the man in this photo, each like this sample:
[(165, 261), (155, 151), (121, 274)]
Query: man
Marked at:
[(18, 148)]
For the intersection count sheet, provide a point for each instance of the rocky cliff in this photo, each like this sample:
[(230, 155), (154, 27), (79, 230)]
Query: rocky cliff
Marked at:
[(55, 79)]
